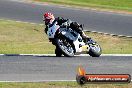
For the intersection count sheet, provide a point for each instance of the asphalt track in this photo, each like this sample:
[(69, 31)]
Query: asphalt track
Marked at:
[(107, 22), (50, 68), (35, 68)]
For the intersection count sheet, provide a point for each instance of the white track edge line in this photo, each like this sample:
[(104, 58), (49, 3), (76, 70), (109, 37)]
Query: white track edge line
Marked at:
[(54, 55), (45, 81), (108, 34), (18, 21)]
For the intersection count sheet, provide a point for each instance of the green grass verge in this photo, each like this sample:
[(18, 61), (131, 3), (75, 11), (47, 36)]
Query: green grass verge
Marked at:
[(62, 85), (24, 38), (107, 4)]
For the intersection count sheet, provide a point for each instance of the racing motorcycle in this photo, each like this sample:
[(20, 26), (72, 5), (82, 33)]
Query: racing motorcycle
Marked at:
[(68, 42)]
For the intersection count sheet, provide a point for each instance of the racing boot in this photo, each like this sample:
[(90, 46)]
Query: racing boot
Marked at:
[(85, 37)]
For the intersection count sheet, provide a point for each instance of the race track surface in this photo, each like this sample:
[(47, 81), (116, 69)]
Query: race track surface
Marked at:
[(47, 68), (120, 24), (34, 68)]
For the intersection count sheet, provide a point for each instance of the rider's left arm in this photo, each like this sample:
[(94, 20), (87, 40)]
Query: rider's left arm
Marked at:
[(46, 29)]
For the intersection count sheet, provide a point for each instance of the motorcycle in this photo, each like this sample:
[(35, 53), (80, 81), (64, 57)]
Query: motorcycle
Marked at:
[(68, 42)]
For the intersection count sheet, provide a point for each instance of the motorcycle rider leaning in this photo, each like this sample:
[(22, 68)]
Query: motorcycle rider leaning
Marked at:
[(49, 20)]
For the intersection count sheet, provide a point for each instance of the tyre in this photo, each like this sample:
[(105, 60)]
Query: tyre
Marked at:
[(81, 80), (65, 46), (58, 52), (95, 50)]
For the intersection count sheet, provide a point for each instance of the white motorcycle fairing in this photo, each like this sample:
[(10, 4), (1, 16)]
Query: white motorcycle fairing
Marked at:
[(76, 38), (79, 44)]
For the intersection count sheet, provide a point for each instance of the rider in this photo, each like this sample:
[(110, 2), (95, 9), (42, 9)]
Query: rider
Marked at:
[(50, 20)]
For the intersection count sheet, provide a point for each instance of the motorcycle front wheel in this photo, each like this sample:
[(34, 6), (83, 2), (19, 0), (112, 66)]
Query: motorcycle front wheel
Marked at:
[(95, 50)]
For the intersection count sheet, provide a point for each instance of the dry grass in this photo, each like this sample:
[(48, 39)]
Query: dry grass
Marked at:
[(23, 38), (27, 38), (62, 85), (18, 38)]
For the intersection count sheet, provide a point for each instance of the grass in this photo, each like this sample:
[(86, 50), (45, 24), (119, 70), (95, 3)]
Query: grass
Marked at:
[(24, 38), (61, 85), (113, 44), (16, 38), (27, 38), (107, 4)]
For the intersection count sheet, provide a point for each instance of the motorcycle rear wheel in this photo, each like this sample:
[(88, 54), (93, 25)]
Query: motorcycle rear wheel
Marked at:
[(65, 46)]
